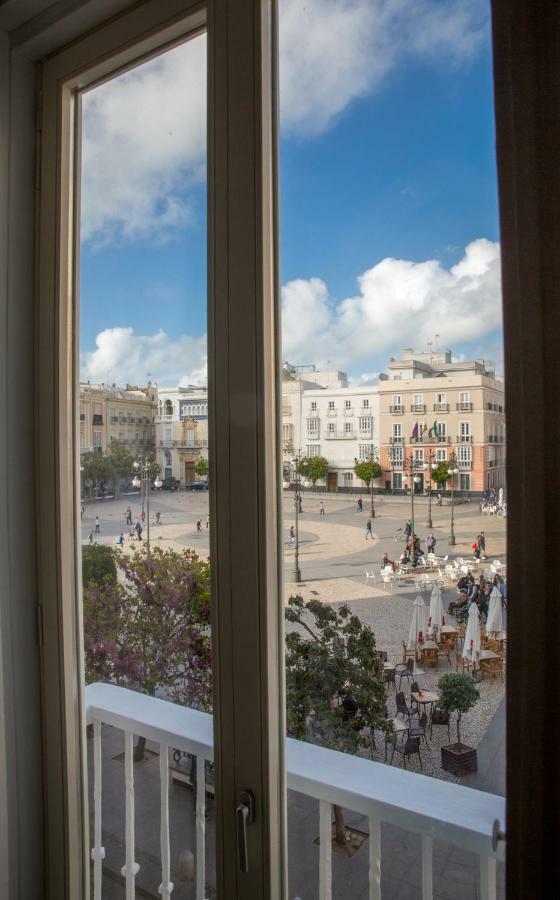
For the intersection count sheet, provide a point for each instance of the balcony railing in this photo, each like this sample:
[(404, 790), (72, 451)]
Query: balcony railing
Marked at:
[(348, 412), (396, 410), (397, 440), (98, 420), (436, 810), (331, 412), (418, 407), (114, 418), (340, 435), (441, 407), (166, 418), (464, 406), (464, 438)]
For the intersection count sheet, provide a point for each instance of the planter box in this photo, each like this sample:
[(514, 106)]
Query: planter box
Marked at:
[(459, 759)]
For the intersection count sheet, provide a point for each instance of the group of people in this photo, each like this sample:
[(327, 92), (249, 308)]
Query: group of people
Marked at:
[(412, 552), (479, 546), (478, 591)]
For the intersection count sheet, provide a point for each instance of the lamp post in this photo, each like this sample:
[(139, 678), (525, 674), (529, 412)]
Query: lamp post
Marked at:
[(411, 468), (295, 479), (372, 457), (430, 466), (142, 480), (453, 471)]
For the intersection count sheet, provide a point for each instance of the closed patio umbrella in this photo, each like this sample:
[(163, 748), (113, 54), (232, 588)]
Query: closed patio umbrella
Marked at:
[(418, 624), (471, 646), (436, 608), (494, 619)]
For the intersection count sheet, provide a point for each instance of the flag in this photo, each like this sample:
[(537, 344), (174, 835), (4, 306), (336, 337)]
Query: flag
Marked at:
[(433, 430), (415, 431)]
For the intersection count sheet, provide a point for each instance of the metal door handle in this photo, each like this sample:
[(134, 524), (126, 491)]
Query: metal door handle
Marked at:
[(244, 815)]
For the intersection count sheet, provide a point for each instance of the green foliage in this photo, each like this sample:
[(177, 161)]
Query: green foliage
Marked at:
[(330, 654), (150, 629), (201, 467), (441, 473), (98, 564), (95, 467), (457, 693), (314, 468), (365, 470), (119, 461)]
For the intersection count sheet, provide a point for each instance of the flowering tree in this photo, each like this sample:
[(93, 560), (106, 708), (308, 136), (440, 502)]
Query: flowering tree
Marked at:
[(150, 630)]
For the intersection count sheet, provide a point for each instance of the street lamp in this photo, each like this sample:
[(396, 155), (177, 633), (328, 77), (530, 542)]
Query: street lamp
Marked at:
[(372, 457), (411, 468), (142, 480), (430, 466), (453, 471), (295, 479)]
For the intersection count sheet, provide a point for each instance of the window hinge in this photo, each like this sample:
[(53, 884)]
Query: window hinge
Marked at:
[(40, 624)]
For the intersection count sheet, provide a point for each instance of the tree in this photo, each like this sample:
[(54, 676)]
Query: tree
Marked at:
[(441, 473), (457, 693), (365, 470), (201, 467), (98, 564), (120, 462), (96, 469), (314, 468), (335, 690)]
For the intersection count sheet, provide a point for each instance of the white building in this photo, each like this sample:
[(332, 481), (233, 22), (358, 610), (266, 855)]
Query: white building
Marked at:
[(181, 431), (331, 420)]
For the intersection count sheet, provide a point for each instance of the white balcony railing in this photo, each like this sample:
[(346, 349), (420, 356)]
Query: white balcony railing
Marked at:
[(437, 810)]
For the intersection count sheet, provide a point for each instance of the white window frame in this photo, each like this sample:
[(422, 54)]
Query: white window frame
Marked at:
[(248, 617), (365, 403), (397, 430)]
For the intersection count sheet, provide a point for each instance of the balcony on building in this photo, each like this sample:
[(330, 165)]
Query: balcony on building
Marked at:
[(464, 438), (348, 411), (443, 819), (418, 407), (441, 407), (114, 418), (97, 419), (397, 410), (82, 417), (331, 412), (397, 440), (464, 407)]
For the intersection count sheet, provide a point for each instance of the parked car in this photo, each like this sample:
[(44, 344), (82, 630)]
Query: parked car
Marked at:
[(170, 484), (197, 486)]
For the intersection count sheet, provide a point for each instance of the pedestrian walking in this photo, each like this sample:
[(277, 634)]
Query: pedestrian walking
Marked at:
[(120, 540), (439, 500), (128, 516), (369, 533), (208, 520), (143, 516), (97, 528), (138, 529), (321, 508), (300, 506), (292, 538), (91, 538), (431, 543), (481, 541), (198, 526), (360, 505), (82, 510)]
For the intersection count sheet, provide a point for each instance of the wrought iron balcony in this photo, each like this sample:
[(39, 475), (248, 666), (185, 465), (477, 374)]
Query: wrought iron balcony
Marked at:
[(441, 407), (418, 407), (464, 438), (396, 410), (464, 407), (397, 440)]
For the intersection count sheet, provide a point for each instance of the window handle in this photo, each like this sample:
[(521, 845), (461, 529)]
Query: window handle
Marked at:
[(244, 816), (497, 834)]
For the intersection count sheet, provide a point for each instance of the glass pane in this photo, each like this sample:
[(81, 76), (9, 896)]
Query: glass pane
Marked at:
[(394, 519), (144, 478)]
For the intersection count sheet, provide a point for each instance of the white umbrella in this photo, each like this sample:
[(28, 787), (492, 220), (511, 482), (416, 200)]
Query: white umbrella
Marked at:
[(418, 623), (471, 646), (436, 608), (494, 619)]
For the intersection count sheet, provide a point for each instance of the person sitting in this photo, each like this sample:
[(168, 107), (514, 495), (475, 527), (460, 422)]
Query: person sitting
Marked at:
[(387, 562)]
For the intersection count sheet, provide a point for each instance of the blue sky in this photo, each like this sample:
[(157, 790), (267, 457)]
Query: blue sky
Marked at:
[(387, 182)]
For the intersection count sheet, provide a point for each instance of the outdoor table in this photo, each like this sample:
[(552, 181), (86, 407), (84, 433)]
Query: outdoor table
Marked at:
[(398, 727), (426, 697), (493, 663), (448, 629), (428, 652)]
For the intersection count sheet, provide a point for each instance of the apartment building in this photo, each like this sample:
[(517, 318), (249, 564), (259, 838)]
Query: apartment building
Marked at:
[(323, 416), (181, 431), (440, 410), (109, 413)]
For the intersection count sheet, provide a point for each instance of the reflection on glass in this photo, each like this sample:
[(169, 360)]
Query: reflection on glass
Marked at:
[(144, 479), (393, 432)]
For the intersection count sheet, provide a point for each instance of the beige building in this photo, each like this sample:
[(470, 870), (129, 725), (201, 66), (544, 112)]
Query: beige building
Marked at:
[(109, 413), (432, 407), (181, 431)]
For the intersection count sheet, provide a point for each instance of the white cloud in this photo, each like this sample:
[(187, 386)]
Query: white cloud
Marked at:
[(144, 145), (334, 51), (144, 135), (400, 303), (121, 356)]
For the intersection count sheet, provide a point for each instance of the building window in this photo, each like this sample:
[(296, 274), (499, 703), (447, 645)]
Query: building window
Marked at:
[(331, 427), (441, 429), (365, 404), (313, 406), (464, 456), (364, 451), (464, 481), (397, 431), (287, 433), (347, 404), (418, 402), (464, 400), (365, 424), (397, 402), (348, 479), (441, 399), (331, 404), (347, 427), (97, 439), (313, 450), (397, 481), (168, 408), (464, 431), (397, 456), (419, 457), (313, 426), (441, 455), (82, 443)]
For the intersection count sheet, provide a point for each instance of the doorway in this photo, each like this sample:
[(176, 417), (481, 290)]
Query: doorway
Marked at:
[(189, 471), (332, 481)]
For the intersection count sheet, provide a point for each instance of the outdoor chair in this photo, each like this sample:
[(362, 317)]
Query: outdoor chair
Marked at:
[(462, 663), (390, 680), (403, 709), (406, 671), (370, 574), (382, 654), (440, 716), (445, 650), (407, 747), (419, 730), (407, 654), (414, 688)]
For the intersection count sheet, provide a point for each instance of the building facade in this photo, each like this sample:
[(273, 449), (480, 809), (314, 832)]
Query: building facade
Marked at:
[(109, 413), (331, 420), (181, 431), (439, 410)]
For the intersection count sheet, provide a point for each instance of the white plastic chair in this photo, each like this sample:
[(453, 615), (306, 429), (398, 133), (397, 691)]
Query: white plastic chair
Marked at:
[(370, 574)]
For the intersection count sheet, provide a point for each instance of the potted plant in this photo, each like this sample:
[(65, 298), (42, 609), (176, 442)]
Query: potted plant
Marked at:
[(457, 693)]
